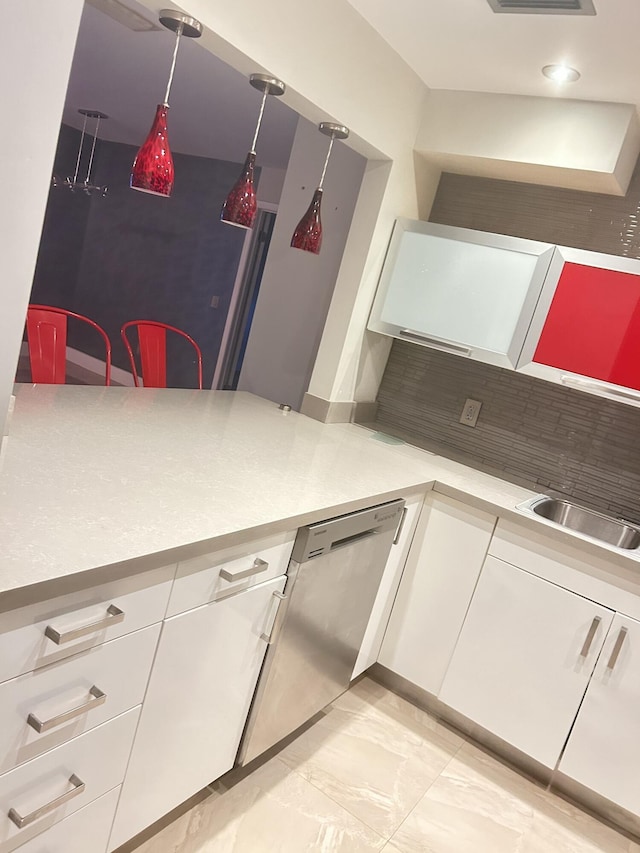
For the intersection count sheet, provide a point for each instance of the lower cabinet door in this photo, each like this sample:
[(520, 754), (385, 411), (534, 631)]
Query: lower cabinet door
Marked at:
[(86, 831), (201, 686), (374, 634), (524, 658), (441, 572), (603, 752)]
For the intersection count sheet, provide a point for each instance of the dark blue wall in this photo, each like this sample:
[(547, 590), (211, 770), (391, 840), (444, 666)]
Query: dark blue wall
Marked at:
[(138, 256)]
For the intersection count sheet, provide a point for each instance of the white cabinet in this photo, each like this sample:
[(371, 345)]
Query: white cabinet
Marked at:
[(201, 686), (524, 658), (85, 831), (372, 640), (53, 629), (45, 708), (603, 752), (467, 292), (63, 780), (441, 572)]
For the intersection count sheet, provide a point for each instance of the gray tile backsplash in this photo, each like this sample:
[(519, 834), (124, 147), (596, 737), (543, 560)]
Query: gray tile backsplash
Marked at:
[(544, 436), (548, 437)]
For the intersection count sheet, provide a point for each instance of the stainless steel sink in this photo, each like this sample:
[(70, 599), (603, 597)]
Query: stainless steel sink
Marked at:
[(613, 531)]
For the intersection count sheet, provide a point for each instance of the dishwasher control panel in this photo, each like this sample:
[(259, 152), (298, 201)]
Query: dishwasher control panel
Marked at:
[(314, 540)]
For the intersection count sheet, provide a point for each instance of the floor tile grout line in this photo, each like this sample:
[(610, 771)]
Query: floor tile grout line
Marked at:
[(386, 839), (340, 805), (453, 758)]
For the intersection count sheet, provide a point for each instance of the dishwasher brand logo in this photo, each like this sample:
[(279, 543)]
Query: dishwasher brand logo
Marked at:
[(386, 517)]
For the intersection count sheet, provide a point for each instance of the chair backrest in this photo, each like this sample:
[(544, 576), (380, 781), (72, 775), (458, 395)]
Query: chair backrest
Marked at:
[(152, 338), (47, 341)]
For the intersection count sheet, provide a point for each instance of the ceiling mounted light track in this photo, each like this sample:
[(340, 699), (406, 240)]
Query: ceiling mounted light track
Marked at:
[(308, 233), (240, 205), (72, 183), (152, 170)]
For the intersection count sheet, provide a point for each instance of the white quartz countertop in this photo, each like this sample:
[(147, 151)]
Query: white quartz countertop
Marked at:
[(93, 477)]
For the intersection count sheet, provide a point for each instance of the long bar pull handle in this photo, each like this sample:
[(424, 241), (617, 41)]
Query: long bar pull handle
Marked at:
[(257, 567), (600, 387), (586, 646), (114, 615), (21, 821), (271, 637), (97, 698), (615, 654), (435, 343), (400, 526)]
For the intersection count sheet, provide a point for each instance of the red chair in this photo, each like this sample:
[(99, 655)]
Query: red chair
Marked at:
[(47, 341), (152, 338)]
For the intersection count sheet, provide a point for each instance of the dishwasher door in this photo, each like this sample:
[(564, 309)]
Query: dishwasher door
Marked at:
[(333, 579)]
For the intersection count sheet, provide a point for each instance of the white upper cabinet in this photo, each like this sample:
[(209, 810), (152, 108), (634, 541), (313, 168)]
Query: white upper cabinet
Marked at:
[(465, 292)]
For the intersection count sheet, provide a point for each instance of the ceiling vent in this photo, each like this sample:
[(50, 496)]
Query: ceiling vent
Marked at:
[(544, 7)]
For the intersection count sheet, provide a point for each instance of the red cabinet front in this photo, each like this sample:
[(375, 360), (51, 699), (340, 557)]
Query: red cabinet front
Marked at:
[(593, 325)]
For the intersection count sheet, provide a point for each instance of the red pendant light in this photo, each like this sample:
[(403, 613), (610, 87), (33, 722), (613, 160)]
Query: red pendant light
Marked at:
[(152, 170), (308, 233), (240, 205)]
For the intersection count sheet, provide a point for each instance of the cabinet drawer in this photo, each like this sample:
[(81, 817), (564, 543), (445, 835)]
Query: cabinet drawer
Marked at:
[(25, 646), (117, 672), (98, 759), (86, 831), (202, 579)]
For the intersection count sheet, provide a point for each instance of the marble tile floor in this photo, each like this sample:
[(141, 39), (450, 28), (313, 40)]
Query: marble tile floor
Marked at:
[(376, 773)]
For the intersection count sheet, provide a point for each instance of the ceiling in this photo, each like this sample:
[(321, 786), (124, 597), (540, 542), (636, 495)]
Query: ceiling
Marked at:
[(463, 44), (214, 109)]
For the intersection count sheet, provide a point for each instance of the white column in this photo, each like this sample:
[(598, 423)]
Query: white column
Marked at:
[(34, 65)]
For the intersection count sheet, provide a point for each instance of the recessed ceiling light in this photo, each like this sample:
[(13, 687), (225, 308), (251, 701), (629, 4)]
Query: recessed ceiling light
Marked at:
[(561, 73)]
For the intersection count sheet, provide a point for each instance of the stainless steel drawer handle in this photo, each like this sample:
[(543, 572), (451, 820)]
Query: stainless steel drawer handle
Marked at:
[(586, 646), (21, 821), (97, 698), (615, 654), (114, 615), (435, 343), (271, 637), (400, 526), (257, 567)]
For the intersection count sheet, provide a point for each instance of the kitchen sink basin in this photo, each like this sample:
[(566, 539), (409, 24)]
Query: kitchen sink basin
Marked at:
[(613, 531)]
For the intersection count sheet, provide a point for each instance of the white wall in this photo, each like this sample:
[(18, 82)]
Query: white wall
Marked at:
[(297, 286), (335, 66), (270, 184), (582, 145), (34, 70)]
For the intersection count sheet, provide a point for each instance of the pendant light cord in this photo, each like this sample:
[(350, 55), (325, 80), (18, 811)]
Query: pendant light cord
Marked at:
[(93, 149), (326, 162), (255, 135), (173, 63), (84, 127)]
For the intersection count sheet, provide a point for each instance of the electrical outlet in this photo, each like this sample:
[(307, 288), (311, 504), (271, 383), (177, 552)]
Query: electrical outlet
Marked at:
[(470, 412), (215, 301)]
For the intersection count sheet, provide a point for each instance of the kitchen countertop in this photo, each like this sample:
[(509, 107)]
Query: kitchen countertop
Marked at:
[(93, 477)]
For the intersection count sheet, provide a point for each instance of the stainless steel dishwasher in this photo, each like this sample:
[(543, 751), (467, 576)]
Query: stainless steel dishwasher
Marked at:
[(333, 578)]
